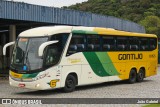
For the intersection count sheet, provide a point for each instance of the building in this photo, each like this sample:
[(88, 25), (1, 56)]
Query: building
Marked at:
[(16, 17)]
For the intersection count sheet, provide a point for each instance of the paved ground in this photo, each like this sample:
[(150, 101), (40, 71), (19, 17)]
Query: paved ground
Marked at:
[(150, 88)]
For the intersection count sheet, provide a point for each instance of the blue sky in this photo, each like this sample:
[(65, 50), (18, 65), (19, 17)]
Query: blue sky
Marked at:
[(53, 3)]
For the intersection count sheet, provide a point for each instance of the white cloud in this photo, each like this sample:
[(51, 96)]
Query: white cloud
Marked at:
[(53, 3)]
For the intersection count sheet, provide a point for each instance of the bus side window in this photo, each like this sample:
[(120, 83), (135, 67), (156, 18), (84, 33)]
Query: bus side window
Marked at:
[(122, 43), (133, 44), (54, 51), (153, 44), (93, 43), (144, 44), (108, 43), (77, 44)]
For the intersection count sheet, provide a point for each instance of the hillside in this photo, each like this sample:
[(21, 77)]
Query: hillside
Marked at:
[(144, 12)]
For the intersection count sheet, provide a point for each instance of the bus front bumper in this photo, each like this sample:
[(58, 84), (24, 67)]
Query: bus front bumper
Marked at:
[(36, 85)]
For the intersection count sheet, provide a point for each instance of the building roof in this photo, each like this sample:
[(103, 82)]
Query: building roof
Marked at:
[(23, 12)]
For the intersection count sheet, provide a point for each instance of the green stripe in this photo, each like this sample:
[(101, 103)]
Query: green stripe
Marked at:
[(107, 63), (101, 63), (84, 32), (95, 64), (30, 75)]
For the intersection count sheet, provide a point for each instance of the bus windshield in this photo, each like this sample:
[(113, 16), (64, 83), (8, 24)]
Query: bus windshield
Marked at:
[(25, 54)]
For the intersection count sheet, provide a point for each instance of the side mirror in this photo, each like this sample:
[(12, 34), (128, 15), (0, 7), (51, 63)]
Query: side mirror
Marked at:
[(43, 46), (7, 45)]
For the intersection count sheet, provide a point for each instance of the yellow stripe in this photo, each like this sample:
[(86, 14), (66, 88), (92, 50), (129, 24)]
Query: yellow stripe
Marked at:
[(15, 75), (116, 32)]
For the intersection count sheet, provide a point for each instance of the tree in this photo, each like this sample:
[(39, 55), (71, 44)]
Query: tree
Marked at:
[(146, 12), (152, 24)]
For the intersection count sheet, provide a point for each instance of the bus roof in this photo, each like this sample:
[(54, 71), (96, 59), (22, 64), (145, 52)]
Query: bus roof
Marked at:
[(45, 31), (108, 31), (51, 30)]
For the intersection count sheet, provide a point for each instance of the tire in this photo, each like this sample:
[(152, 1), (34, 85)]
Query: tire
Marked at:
[(132, 76), (140, 75), (70, 84)]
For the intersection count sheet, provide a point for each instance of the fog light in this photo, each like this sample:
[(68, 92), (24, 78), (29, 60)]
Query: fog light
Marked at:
[(37, 85)]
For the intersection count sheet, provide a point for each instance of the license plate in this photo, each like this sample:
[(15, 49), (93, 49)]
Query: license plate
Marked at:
[(21, 85)]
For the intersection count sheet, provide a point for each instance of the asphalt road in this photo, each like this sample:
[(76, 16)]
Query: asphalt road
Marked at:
[(149, 88)]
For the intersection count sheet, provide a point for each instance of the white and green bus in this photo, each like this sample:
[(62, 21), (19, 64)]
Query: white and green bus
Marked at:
[(68, 56)]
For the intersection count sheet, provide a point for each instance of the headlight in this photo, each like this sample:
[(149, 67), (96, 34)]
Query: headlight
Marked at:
[(37, 85)]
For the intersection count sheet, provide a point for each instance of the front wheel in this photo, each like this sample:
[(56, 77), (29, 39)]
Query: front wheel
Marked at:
[(70, 83), (140, 75), (132, 76)]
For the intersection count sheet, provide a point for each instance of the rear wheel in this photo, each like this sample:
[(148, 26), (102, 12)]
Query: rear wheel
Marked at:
[(140, 75), (132, 76), (70, 83)]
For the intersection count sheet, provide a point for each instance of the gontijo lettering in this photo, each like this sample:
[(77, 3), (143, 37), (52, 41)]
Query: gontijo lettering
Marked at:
[(130, 56)]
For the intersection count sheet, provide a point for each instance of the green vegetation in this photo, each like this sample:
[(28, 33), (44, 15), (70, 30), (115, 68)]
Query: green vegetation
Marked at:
[(152, 105), (152, 24), (144, 12)]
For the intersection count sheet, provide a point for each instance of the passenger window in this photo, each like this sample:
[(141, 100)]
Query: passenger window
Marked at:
[(144, 44), (77, 44), (153, 43), (93, 43), (108, 43), (122, 43), (133, 43)]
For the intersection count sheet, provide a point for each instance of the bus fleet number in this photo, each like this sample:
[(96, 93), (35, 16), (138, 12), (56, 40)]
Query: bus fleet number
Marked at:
[(53, 83)]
